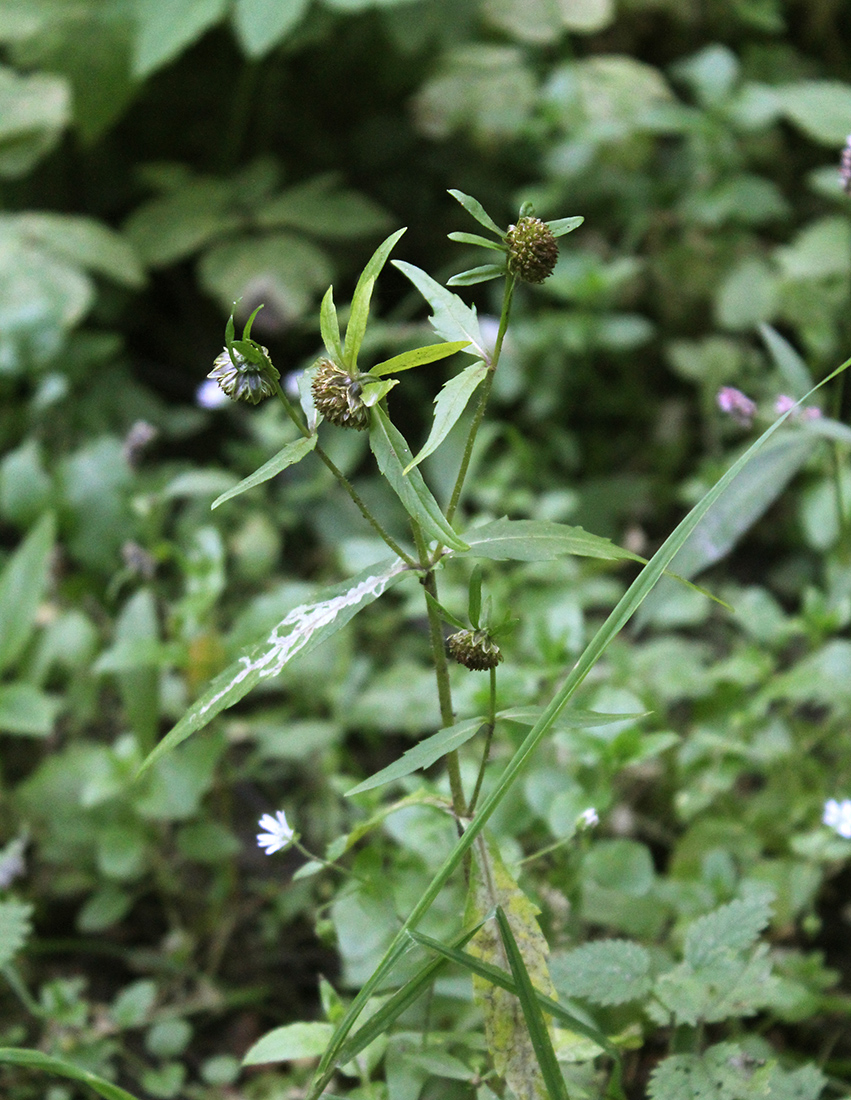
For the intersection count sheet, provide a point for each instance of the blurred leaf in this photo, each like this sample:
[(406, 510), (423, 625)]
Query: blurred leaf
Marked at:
[(34, 110), (791, 366), (449, 405), (290, 1042), (140, 687), (821, 249), (422, 755), (262, 24), (539, 540), (748, 295), (87, 243), (26, 710), (34, 1059), (545, 21), (320, 206), (179, 223), (166, 27), (304, 628), (727, 1072), (392, 454), (731, 928), (23, 583), (821, 108), (15, 927), (287, 456)]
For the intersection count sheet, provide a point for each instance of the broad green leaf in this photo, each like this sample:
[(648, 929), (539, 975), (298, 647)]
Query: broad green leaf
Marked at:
[(287, 1043), (58, 1067), (422, 755), (794, 370), (539, 1034), (539, 540), (474, 238), (167, 27), (509, 1043), (417, 357), (177, 224), (26, 710), (15, 927), (392, 454), (22, 586), (727, 1072), (323, 208), (475, 208), (262, 24), (87, 243), (329, 326), (475, 275), (560, 226), (306, 627), (732, 928), (453, 320), (607, 972), (287, 456), (359, 315), (821, 108), (749, 295), (34, 110), (449, 404)]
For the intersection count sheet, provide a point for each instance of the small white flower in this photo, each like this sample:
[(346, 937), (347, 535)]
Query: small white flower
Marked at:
[(838, 816), (278, 833), (587, 819)]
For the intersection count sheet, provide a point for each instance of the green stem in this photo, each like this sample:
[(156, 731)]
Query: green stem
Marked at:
[(486, 750), (441, 672), (484, 395), (344, 481)]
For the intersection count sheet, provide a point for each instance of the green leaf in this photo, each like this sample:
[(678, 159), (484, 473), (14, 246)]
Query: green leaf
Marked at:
[(287, 456), (26, 710), (539, 540), (475, 208), (374, 392), (449, 404), (15, 927), (726, 1072), (734, 927), (262, 24), (821, 108), (796, 374), (34, 110), (474, 604), (475, 275), (180, 222), (138, 624), (287, 1043), (607, 972), (86, 243), (571, 718), (453, 319), (560, 226), (359, 315), (22, 586), (392, 454), (329, 326), (322, 207), (34, 1059), (474, 238), (164, 30), (417, 357), (306, 627), (547, 1063), (422, 755)]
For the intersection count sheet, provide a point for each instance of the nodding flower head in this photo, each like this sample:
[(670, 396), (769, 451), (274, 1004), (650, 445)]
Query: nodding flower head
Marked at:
[(243, 379), (475, 649), (532, 250), (338, 395)]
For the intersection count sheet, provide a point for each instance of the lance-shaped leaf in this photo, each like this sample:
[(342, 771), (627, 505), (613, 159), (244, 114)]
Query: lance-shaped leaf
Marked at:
[(560, 226), (452, 319), (22, 585), (287, 456), (540, 540), (474, 238), (329, 326), (448, 407), (476, 210), (422, 755), (34, 1059), (306, 627), (417, 357), (475, 275), (360, 300), (392, 454)]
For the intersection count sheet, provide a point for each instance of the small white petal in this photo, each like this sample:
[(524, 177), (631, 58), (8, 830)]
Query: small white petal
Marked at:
[(278, 833)]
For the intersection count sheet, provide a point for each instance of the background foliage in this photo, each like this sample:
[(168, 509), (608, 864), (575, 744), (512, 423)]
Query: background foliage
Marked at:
[(159, 161)]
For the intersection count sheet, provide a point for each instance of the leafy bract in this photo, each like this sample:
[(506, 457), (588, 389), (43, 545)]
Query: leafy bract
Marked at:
[(287, 456), (422, 755), (392, 454), (452, 319), (329, 326), (539, 540), (356, 327), (448, 407), (475, 208), (306, 627), (560, 226)]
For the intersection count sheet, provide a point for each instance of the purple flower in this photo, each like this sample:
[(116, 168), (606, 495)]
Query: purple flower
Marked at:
[(735, 404)]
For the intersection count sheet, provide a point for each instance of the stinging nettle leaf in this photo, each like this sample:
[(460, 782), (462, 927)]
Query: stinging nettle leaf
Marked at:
[(607, 972), (449, 404), (303, 629), (287, 456)]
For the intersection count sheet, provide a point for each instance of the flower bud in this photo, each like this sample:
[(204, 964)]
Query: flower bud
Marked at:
[(532, 250), (243, 380), (474, 649), (337, 395)]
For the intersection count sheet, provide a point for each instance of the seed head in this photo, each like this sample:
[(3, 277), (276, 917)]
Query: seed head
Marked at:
[(338, 396), (532, 250), (474, 649), (242, 380)]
